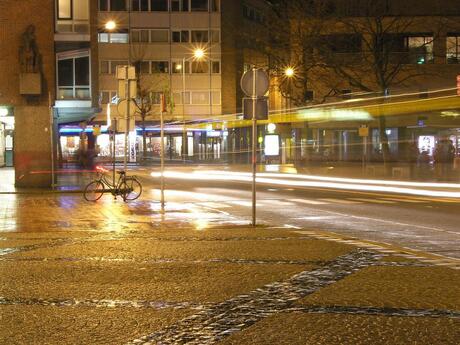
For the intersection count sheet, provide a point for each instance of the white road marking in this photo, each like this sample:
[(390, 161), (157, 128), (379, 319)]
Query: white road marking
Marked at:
[(213, 205), (341, 201), (405, 200), (373, 201), (276, 202), (309, 202), (240, 203)]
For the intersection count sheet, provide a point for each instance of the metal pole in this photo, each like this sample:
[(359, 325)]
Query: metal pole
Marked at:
[(254, 146), (162, 159), (52, 140), (114, 134), (128, 100), (184, 135)]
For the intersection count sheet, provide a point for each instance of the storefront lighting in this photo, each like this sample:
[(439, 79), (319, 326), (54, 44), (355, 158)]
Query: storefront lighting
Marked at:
[(271, 128), (4, 111)]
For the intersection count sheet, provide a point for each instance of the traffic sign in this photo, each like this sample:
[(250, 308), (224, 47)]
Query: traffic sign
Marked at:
[(122, 91), (122, 108), (126, 72), (262, 83), (261, 108)]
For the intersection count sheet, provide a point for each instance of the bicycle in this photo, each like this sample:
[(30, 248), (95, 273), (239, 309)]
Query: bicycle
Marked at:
[(128, 187)]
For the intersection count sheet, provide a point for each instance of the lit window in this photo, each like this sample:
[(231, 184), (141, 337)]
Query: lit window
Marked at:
[(65, 9), (453, 49), (420, 49)]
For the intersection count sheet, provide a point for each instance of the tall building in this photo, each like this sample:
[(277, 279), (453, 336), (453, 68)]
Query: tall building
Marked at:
[(189, 50), (47, 80)]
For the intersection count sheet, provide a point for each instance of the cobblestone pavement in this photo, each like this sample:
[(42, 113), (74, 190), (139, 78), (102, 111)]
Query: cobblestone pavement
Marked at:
[(113, 273)]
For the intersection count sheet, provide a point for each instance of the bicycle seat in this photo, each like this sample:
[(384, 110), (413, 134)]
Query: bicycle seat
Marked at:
[(121, 172)]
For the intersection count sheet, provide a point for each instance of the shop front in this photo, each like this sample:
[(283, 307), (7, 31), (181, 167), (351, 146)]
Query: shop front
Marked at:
[(6, 137)]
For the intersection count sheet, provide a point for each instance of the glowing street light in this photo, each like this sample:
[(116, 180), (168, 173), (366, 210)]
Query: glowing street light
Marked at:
[(198, 53), (289, 72), (110, 25)]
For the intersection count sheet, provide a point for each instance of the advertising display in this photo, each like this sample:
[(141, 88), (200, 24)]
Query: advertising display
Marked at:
[(272, 145)]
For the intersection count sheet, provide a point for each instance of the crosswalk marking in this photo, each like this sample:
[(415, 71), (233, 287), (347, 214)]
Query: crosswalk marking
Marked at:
[(309, 202), (373, 201), (340, 201)]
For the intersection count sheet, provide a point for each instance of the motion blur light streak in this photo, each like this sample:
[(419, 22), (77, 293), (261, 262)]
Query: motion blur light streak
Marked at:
[(351, 184)]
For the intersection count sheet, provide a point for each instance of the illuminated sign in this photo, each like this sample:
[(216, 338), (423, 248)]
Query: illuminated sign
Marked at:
[(272, 145)]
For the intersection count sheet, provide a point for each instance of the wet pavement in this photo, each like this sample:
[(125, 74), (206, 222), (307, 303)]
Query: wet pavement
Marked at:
[(74, 272)]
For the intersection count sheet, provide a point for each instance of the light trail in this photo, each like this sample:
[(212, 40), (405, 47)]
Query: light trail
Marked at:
[(328, 183)]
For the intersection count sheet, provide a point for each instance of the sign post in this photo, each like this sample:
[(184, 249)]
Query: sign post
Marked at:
[(126, 76), (162, 151), (255, 84)]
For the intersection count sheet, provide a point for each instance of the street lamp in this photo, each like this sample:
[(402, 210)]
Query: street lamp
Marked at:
[(289, 73), (110, 25), (198, 55)]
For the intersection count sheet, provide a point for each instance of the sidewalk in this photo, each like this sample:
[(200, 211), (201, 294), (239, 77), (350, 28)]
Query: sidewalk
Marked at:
[(113, 273)]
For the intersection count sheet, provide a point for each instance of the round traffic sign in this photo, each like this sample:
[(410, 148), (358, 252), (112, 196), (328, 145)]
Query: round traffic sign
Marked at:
[(255, 83), (122, 107)]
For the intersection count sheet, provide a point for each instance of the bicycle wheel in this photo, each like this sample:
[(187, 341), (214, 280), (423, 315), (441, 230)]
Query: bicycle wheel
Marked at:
[(94, 191), (131, 189)]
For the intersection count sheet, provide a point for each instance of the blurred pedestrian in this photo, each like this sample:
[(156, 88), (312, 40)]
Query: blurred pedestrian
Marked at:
[(424, 165)]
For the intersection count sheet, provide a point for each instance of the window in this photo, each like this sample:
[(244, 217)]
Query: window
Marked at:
[(155, 97), (453, 49), (200, 97), (110, 67), (199, 36), (140, 36), (65, 9), (179, 5), (159, 36), (107, 97), (215, 67), (160, 67), (112, 5), (420, 49), (73, 77), (180, 36), (113, 37), (144, 67), (200, 67), (159, 5), (199, 5), (140, 5), (177, 67)]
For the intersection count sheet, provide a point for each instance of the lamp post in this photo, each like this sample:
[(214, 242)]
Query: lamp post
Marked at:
[(198, 55)]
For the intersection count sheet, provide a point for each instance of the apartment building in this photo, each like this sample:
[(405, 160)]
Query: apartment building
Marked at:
[(189, 50)]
